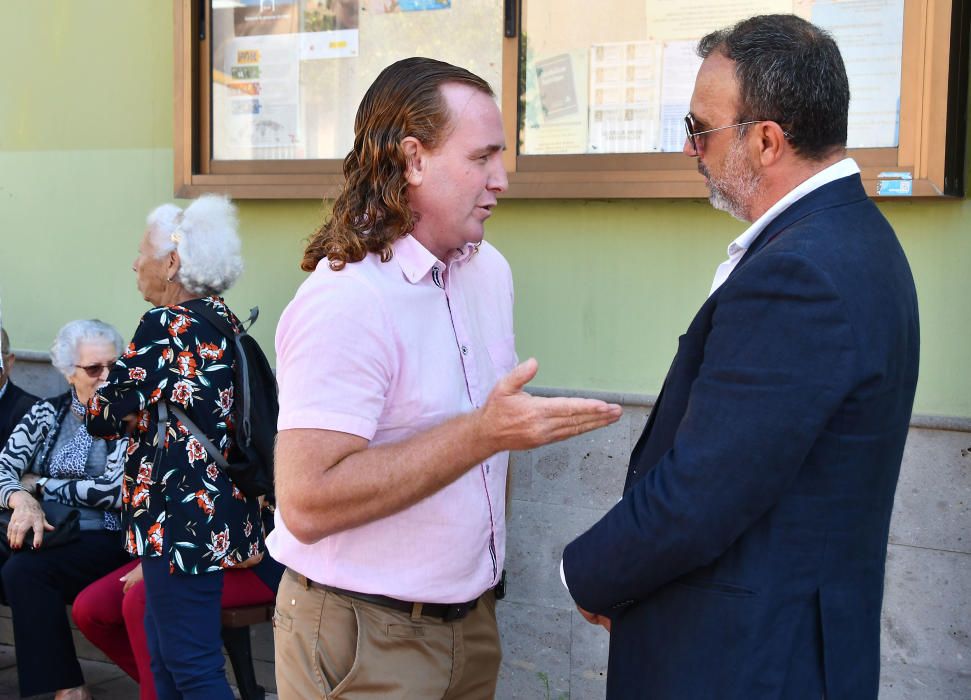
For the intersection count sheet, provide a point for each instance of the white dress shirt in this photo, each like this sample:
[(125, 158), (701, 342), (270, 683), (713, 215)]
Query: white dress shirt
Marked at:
[(737, 248)]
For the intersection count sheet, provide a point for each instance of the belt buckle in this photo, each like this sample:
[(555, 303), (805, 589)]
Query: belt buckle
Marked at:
[(455, 612)]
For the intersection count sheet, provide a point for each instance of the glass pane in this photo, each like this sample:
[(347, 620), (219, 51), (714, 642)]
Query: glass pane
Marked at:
[(287, 75), (616, 77)]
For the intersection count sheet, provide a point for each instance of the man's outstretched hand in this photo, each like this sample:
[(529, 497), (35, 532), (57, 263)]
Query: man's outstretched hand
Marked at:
[(511, 419)]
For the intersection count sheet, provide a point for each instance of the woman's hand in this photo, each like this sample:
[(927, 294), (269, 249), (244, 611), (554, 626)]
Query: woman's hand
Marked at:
[(132, 577), (29, 481), (27, 515), (252, 561)]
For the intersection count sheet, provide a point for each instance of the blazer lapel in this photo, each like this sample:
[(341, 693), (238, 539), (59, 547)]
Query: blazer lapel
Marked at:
[(846, 190)]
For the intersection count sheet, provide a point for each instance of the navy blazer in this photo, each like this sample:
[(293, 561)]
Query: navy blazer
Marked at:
[(746, 558)]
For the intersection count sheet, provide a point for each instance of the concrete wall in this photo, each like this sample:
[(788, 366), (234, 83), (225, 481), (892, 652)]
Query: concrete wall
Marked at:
[(558, 491)]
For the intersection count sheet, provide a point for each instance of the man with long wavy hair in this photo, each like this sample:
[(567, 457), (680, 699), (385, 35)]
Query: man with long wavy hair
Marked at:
[(399, 399)]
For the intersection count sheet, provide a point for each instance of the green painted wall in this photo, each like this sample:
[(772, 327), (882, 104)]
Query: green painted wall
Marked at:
[(604, 288)]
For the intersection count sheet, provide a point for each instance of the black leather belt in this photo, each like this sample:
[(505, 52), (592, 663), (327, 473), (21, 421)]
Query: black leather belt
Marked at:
[(443, 611)]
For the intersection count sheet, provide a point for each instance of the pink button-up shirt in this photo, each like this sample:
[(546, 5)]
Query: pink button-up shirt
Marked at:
[(384, 351)]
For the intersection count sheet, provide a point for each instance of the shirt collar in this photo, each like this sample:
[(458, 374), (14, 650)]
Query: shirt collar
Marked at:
[(416, 261), (843, 168)]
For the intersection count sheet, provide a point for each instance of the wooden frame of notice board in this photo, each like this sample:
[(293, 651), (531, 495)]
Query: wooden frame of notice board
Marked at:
[(929, 160)]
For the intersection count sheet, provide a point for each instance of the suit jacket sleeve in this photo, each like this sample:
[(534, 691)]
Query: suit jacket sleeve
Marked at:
[(779, 359)]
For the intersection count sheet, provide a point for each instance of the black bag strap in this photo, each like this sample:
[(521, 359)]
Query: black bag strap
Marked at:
[(216, 455), (223, 326)]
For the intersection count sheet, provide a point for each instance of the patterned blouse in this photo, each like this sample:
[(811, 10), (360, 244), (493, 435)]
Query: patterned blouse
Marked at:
[(29, 450), (175, 493)]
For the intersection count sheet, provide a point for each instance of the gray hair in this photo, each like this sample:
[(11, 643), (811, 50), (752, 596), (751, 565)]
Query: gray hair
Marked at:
[(791, 72), (64, 351), (205, 236), (4, 342)]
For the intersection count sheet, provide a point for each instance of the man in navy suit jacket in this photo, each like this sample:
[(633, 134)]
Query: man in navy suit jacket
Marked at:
[(14, 401), (746, 558)]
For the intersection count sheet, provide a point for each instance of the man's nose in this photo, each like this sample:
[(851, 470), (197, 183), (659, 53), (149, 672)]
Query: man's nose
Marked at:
[(499, 179), (688, 148)]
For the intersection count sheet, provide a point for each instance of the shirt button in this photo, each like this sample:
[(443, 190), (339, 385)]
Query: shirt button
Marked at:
[(465, 350)]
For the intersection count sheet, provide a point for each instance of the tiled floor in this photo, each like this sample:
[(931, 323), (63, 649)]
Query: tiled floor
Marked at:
[(106, 681)]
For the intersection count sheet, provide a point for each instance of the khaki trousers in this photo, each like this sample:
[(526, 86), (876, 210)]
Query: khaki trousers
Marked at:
[(339, 648)]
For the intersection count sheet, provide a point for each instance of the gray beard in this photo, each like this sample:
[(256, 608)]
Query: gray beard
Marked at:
[(736, 188)]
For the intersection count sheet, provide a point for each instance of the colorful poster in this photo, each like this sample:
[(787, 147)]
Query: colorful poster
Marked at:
[(262, 95), (380, 7)]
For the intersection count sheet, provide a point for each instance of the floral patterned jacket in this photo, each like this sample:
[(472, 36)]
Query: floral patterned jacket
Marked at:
[(174, 493)]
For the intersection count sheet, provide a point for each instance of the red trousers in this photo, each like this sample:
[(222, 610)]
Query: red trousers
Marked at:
[(113, 621)]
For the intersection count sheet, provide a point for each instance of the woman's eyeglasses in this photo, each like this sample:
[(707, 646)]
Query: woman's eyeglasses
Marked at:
[(96, 370)]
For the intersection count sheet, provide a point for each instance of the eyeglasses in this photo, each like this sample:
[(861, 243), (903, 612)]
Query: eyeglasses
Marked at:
[(691, 129), (94, 371)]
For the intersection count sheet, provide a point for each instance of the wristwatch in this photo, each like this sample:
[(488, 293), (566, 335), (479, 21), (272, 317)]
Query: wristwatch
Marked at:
[(39, 486)]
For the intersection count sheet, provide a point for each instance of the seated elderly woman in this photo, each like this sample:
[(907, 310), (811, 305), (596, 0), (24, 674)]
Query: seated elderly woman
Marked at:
[(50, 457), (185, 518)]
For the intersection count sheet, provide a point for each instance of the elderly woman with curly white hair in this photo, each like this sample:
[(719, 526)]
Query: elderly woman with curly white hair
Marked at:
[(184, 517), (49, 467)]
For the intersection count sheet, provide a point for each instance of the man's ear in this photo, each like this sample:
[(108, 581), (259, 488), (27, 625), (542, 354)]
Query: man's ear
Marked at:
[(772, 142), (415, 158)]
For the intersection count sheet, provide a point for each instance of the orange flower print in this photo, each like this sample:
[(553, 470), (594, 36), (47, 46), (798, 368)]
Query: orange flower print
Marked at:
[(219, 544), (137, 373), (186, 364), (179, 325), (237, 494), (204, 501), (195, 449), (212, 471), (154, 396), (125, 496), (144, 471), (225, 401), (140, 497), (131, 351), (209, 351), (247, 528), (95, 405), (182, 392), (143, 419), (167, 354), (131, 543), (132, 448), (155, 533), (254, 550)]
